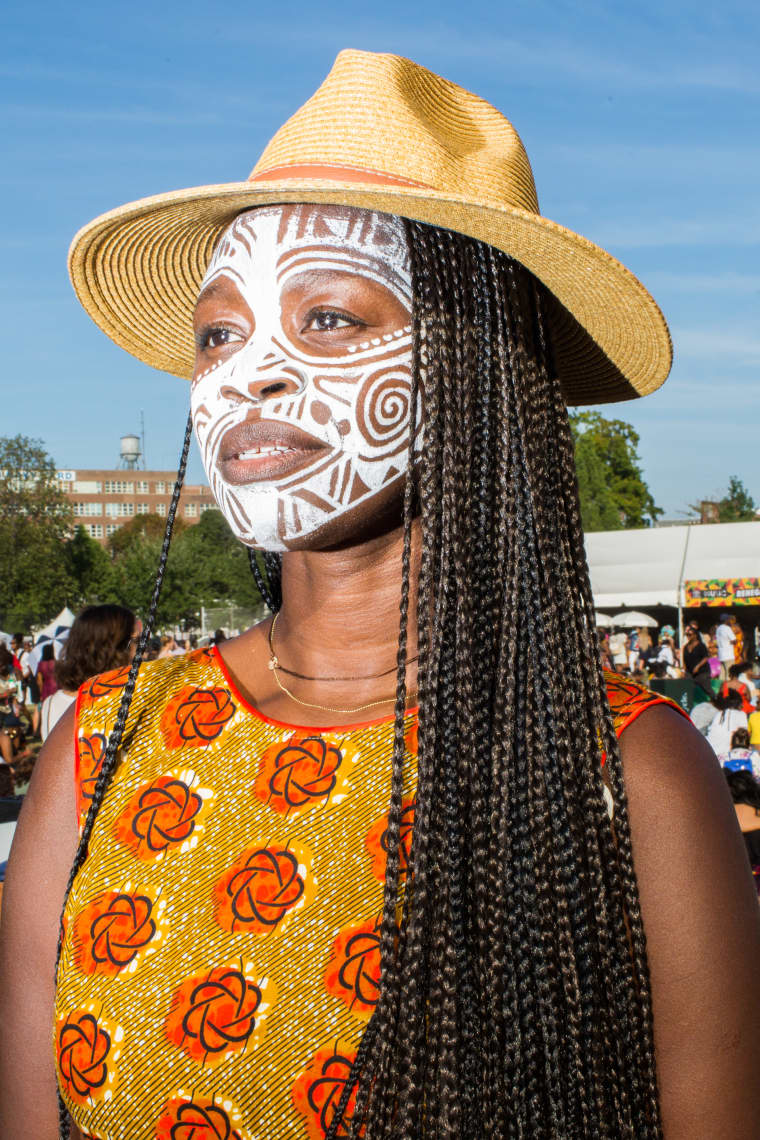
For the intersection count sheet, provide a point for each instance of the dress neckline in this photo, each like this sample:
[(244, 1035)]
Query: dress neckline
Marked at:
[(221, 665)]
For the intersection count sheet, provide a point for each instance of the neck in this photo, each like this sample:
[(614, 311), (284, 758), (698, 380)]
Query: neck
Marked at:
[(340, 613)]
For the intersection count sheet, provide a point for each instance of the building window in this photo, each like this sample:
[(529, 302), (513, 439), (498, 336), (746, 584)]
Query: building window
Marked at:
[(159, 489), (143, 508), (118, 487), (95, 530), (191, 510), (87, 509), (141, 486), (126, 509), (207, 507), (161, 509), (111, 528)]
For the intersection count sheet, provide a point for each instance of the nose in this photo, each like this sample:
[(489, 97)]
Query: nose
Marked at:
[(257, 378)]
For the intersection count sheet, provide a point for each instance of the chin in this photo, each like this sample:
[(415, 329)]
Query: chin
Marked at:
[(373, 518)]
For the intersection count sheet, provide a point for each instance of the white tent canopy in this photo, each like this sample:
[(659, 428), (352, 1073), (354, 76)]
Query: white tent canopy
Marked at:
[(636, 568)]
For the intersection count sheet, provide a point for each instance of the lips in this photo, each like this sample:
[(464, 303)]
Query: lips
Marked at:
[(260, 450)]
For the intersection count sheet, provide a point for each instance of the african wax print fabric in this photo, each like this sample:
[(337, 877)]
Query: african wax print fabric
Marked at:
[(221, 954)]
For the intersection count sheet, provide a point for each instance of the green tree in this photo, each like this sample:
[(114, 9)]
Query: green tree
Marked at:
[(206, 565), (35, 523), (613, 493), (737, 505), (90, 570)]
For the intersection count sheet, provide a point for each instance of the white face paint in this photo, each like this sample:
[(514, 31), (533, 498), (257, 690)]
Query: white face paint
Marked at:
[(354, 404)]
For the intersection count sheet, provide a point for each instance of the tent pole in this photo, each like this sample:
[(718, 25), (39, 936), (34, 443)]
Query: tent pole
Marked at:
[(680, 588)]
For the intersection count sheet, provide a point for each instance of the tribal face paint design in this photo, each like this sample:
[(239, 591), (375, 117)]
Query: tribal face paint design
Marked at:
[(292, 439)]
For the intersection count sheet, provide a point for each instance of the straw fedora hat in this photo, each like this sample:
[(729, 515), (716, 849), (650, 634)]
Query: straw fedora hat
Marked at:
[(386, 134)]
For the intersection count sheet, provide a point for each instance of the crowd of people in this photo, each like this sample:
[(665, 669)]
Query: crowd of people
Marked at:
[(726, 707), (37, 688)]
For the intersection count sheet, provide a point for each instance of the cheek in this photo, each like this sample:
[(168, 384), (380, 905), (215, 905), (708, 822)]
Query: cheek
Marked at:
[(383, 410)]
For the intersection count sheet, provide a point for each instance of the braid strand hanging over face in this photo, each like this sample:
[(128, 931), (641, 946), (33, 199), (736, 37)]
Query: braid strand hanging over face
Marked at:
[(515, 998)]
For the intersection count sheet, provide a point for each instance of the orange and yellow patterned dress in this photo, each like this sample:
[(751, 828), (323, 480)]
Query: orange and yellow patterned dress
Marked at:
[(221, 953)]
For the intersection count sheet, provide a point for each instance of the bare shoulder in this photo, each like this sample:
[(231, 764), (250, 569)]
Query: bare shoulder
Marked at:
[(702, 924)]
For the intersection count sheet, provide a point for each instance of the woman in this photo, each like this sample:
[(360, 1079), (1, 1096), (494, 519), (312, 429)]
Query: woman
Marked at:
[(734, 684), (730, 717), (45, 674), (101, 638), (297, 909), (741, 755), (696, 658)]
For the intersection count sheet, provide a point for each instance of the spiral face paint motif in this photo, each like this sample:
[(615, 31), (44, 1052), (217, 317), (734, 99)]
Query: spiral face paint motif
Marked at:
[(356, 403)]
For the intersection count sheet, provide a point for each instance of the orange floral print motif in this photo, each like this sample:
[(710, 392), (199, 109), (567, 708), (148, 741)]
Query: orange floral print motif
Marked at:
[(219, 1013), (265, 885), (103, 685), (116, 929), (89, 759), (194, 717), (87, 1049), (318, 1089), (165, 814), (189, 1117), (376, 840), (353, 972), (302, 771)]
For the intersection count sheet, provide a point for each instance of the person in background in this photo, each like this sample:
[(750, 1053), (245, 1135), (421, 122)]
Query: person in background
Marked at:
[(745, 792), (735, 684), (102, 638), (619, 651), (219, 636), (45, 675), (696, 658), (753, 723), (742, 756), (704, 713), (723, 727), (739, 643), (666, 653), (725, 639)]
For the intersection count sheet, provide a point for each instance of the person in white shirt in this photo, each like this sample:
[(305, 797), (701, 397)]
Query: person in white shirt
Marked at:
[(725, 724), (725, 638)]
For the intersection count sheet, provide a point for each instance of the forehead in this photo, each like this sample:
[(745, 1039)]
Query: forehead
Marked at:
[(282, 241)]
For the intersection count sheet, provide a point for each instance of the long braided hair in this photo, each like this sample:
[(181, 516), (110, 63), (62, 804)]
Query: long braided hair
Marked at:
[(515, 997)]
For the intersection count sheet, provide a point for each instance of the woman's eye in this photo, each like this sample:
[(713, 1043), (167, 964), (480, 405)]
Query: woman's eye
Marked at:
[(326, 320), (218, 338)]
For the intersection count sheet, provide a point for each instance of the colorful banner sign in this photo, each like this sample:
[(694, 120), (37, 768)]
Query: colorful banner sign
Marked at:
[(722, 592)]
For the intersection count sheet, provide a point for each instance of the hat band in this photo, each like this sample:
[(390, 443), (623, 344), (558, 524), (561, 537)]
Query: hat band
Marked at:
[(335, 172)]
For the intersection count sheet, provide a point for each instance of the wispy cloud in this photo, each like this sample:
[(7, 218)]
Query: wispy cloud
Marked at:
[(741, 283), (739, 345), (714, 229)]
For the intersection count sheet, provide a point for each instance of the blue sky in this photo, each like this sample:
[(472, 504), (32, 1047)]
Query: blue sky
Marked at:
[(642, 123)]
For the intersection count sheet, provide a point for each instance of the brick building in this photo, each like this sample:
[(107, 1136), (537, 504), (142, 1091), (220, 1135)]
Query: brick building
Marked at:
[(106, 499)]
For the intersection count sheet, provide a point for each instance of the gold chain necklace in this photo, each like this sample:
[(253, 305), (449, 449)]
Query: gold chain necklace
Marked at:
[(274, 665)]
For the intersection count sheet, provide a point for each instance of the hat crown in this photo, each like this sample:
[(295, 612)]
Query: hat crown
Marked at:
[(387, 117)]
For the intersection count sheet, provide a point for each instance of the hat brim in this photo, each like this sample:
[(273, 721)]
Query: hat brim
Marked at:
[(137, 270)]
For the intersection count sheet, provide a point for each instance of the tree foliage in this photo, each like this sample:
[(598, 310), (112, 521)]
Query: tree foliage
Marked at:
[(736, 505), (46, 562), (35, 523), (613, 493)]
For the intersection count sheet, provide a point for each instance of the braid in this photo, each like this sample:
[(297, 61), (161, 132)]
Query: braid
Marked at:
[(268, 580), (514, 998), (110, 758)]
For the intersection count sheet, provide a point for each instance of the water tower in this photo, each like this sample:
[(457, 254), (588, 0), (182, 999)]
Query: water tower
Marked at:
[(129, 452)]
